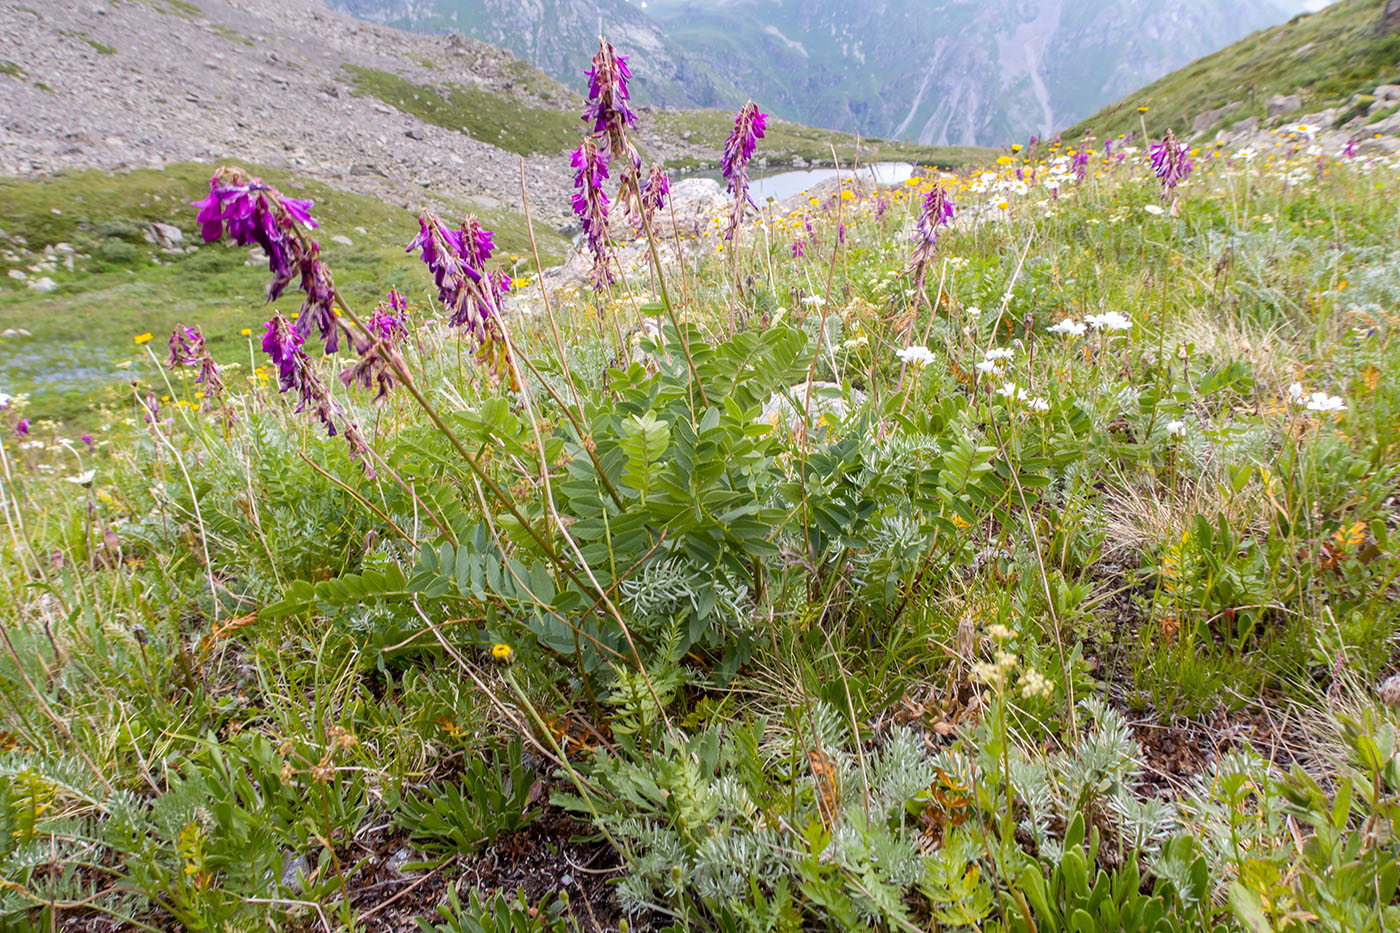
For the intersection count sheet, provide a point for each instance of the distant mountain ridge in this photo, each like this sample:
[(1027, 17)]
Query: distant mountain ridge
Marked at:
[(933, 71)]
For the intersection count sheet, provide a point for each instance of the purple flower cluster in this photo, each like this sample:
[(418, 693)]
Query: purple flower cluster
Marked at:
[(470, 291), (187, 348), (609, 109), (655, 192), (749, 127), (256, 214), (936, 214), (591, 206), (1171, 162), (388, 321), (1080, 164), (283, 344)]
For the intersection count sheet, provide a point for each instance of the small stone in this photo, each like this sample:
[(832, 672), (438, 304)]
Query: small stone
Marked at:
[(1388, 92), (1390, 691), (1281, 105), (413, 134), (18, 275), (44, 284), (342, 240)]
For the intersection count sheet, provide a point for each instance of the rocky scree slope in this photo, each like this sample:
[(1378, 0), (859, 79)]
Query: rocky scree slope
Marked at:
[(121, 85)]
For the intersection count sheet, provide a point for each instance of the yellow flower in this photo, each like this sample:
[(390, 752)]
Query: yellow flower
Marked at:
[(246, 331), (1142, 109), (1015, 147), (501, 652), (1004, 160), (847, 196), (143, 338)]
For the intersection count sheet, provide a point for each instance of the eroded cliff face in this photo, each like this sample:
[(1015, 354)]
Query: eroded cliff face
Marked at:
[(934, 71)]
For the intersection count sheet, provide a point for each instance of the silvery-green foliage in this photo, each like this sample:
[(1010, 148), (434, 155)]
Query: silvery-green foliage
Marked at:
[(899, 771), (666, 587)]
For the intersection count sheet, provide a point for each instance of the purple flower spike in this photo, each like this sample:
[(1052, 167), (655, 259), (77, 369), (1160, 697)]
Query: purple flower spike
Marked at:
[(1171, 162), (1080, 164), (256, 214), (749, 127), (591, 206), (655, 192), (457, 259), (22, 429), (609, 109), (187, 348), (936, 214)]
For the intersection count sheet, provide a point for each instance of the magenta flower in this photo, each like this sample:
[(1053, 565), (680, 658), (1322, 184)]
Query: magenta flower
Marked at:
[(88, 441), (655, 192), (388, 321), (256, 214), (609, 109), (591, 206), (749, 127), (1349, 150), (936, 214), (1171, 162), (187, 348), (799, 248), (22, 429), (457, 259), (1080, 164)]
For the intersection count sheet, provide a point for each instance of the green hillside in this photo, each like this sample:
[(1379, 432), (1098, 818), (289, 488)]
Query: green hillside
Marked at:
[(1326, 57)]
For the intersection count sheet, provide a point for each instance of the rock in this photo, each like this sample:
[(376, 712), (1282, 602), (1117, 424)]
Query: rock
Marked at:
[(1390, 125), (1379, 145), (1390, 691), (825, 407), (19, 275), (362, 170), (1388, 92), (166, 236), (44, 284), (1281, 105), (292, 867), (413, 134), (1209, 118), (342, 239)]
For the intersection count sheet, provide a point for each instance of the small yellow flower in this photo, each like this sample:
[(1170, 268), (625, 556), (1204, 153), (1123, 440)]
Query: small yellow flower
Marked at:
[(501, 652), (143, 338), (246, 331), (1142, 109), (847, 195), (1015, 147), (1004, 160)]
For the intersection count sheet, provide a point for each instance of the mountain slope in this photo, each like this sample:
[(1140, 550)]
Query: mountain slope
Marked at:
[(932, 71), (1324, 57), (560, 36)]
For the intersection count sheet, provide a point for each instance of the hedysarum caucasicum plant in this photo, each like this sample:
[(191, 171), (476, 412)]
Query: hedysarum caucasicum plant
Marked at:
[(591, 205), (254, 213), (937, 213), (749, 127), (609, 109), (187, 349), (1171, 162), (467, 289), (283, 344)]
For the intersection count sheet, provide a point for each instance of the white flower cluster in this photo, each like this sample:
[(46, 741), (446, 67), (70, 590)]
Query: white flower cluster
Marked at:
[(916, 355), (1069, 327), (1109, 320)]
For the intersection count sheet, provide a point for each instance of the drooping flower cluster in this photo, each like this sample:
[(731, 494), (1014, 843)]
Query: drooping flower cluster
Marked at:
[(655, 192), (936, 214), (749, 127), (379, 363), (1171, 162), (591, 205), (388, 321), (187, 348), (609, 109), (283, 344), (468, 290), (255, 214)]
